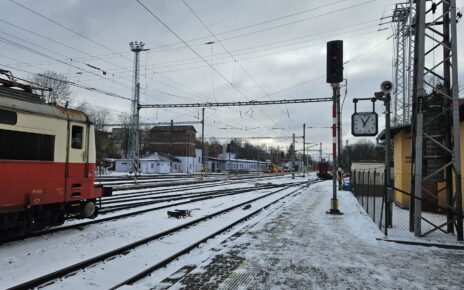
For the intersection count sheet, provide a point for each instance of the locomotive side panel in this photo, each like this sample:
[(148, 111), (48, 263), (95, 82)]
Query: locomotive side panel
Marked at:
[(81, 162), (30, 173)]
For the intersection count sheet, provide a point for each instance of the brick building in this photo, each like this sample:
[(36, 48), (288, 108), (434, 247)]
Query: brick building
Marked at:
[(177, 140)]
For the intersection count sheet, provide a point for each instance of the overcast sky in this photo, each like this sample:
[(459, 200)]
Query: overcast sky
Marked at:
[(274, 49)]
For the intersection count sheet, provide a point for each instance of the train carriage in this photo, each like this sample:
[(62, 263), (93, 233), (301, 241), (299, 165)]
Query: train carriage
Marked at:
[(47, 163)]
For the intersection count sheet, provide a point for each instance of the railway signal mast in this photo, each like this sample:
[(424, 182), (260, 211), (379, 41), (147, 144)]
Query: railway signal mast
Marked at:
[(334, 78)]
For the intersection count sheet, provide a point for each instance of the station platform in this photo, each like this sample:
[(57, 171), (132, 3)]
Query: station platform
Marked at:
[(299, 246)]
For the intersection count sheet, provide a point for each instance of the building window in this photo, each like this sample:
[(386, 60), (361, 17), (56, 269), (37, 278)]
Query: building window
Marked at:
[(16, 145), (8, 117), (77, 137), (152, 165)]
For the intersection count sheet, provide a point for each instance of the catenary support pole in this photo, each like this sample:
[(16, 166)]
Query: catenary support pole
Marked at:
[(203, 161), (304, 152), (389, 200), (171, 129), (419, 94), (293, 157)]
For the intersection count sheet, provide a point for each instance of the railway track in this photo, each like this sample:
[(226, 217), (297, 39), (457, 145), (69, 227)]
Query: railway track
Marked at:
[(108, 258), (151, 183), (143, 198), (174, 197), (181, 200)]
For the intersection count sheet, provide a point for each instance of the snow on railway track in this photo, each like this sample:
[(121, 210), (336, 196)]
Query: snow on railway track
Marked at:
[(87, 245)]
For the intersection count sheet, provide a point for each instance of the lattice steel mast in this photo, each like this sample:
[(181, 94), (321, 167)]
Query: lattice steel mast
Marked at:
[(436, 125), (402, 19), (133, 147)]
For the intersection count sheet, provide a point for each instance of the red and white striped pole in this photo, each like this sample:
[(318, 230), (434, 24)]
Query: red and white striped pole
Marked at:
[(334, 201), (334, 77)]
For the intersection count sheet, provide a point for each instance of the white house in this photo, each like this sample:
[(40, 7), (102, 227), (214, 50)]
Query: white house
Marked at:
[(155, 163), (191, 164)]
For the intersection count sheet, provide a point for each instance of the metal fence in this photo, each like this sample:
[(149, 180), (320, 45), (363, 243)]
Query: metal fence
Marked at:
[(391, 210), (369, 189)]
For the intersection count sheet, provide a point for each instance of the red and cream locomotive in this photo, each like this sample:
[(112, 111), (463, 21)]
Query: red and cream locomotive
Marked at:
[(47, 162)]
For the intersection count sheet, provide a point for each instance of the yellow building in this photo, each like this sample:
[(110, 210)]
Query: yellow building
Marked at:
[(401, 170)]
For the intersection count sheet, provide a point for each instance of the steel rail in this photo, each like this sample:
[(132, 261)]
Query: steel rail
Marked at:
[(216, 193), (166, 261), (120, 216), (124, 249)]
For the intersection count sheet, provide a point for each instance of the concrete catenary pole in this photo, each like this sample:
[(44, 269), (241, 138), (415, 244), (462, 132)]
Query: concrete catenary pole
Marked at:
[(293, 157)]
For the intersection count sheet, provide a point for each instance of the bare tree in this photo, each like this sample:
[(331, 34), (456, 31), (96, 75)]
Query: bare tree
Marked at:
[(100, 117), (58, 83)]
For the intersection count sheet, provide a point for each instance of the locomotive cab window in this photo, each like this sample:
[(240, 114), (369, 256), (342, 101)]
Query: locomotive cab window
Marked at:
[(7, 117), (77, 133), (16, 145)]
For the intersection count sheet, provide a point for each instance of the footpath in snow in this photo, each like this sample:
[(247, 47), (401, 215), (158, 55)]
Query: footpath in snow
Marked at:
[(300, 247)]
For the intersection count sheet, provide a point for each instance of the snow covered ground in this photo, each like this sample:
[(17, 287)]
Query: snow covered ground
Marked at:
[(24, 260), (300, 247), (292, 245)]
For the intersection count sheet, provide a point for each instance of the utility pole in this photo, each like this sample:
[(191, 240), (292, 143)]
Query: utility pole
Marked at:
[(304, 152), (134, 130), (293, 157), (385, 96), (204, 164), (348, 156), (171, 129), (257, 164), (339, 141)]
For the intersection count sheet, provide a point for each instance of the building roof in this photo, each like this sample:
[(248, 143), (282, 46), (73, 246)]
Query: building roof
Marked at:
[(393, 131), (159, 157), (20, 101), (174, 128), (172, 157), (396, 129)]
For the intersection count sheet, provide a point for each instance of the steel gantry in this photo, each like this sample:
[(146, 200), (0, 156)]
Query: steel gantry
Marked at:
[(235, 104), (436, 164)]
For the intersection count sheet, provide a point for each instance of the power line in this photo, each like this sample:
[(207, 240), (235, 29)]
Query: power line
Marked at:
[(71, 30), (187, 45), (193, 50), (76, 84), (67, 28), (228, 52), (273, 53), (257, 48), (273, 20)]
